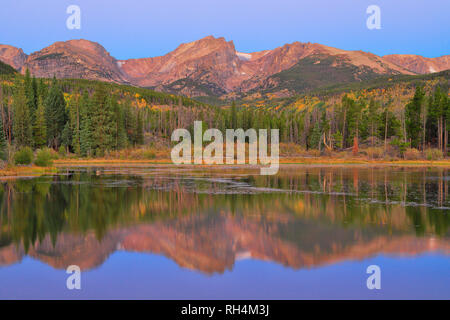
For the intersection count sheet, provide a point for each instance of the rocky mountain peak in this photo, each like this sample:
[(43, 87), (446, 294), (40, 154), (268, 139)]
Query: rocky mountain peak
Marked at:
[(419, 64), (13, 56), (75, 59), (213, 66)]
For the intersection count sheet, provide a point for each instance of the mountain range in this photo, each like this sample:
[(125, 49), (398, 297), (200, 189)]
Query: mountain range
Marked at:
[(191, 244), (213, 67)]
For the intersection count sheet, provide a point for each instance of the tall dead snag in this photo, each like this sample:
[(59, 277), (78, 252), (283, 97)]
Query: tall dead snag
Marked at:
[(355, 148)]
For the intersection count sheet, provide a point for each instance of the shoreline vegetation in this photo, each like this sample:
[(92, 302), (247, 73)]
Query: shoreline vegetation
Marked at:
[(48, 161), (48, 123), (283, 160), (26, 171), (23, 171)]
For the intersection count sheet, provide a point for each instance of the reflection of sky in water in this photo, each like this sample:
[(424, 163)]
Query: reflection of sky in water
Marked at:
[(180, 233), (147, 276)]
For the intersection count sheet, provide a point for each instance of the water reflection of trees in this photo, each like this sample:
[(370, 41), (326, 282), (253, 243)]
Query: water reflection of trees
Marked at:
[(317, 210), (384, 201)]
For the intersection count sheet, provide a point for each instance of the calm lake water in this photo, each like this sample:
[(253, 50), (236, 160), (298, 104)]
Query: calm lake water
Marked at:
[(159, 232)]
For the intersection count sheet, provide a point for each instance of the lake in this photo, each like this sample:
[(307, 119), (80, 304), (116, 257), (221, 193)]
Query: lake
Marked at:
[(165, 232)]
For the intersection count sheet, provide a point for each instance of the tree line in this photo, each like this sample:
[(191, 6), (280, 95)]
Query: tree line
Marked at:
[(422, 122), (35, 114), (90, 118)]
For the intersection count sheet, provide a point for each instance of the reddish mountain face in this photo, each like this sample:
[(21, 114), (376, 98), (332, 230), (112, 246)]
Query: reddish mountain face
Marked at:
[(74, 59), (216, 61), (266, 63), (13, 56), (419, 64), (209, 60), (209, 66), (193, 245)]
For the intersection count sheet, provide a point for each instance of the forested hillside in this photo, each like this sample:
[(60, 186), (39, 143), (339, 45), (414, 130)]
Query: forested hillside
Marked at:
[(84, 117), (93, 119), (398, 113), (6, 69)]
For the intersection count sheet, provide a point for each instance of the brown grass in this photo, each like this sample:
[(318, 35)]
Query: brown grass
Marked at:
[(289, 154), (14, 171), (283, 160)]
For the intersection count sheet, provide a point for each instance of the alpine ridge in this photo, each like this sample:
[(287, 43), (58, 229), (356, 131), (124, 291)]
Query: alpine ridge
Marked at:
[(213, 67)]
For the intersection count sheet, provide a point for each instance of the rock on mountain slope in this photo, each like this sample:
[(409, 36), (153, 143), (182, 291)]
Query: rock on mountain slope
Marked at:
[(209, 61), (316, 71), (267, 63), (13, 56), (212, 66), (70, 59), (420, 64), (75, 59)]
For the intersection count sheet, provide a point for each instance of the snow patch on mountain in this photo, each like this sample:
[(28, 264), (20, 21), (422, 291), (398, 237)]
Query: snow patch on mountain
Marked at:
[(244, 56)]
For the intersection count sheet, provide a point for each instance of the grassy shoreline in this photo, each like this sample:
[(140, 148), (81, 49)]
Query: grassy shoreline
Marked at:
[(32, 171), (283, 161), (26, 171)]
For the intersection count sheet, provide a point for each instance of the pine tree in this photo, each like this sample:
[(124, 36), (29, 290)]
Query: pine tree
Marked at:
[(76, 132), (40, 126), (120, 135), (85, 125), (42, 89), (354, 121), (346, 104), (102, 121), (438, 107), (55, 114), (373, 120), (445, 101), (413, 119), (139, 128), (315, 141), (30, 91), (34, 88), (74, 123), (66, 136), (233, 124), (21, 127), (3, 145), (130, 123), (389, 125)]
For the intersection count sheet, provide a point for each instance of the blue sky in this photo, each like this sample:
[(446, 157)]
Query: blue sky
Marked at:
[(145, 28)]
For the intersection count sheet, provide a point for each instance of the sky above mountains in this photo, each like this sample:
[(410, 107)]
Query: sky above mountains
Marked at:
[(137, 28)]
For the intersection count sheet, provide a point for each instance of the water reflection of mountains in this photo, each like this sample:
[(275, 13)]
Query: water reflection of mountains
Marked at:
[(82, 218)]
